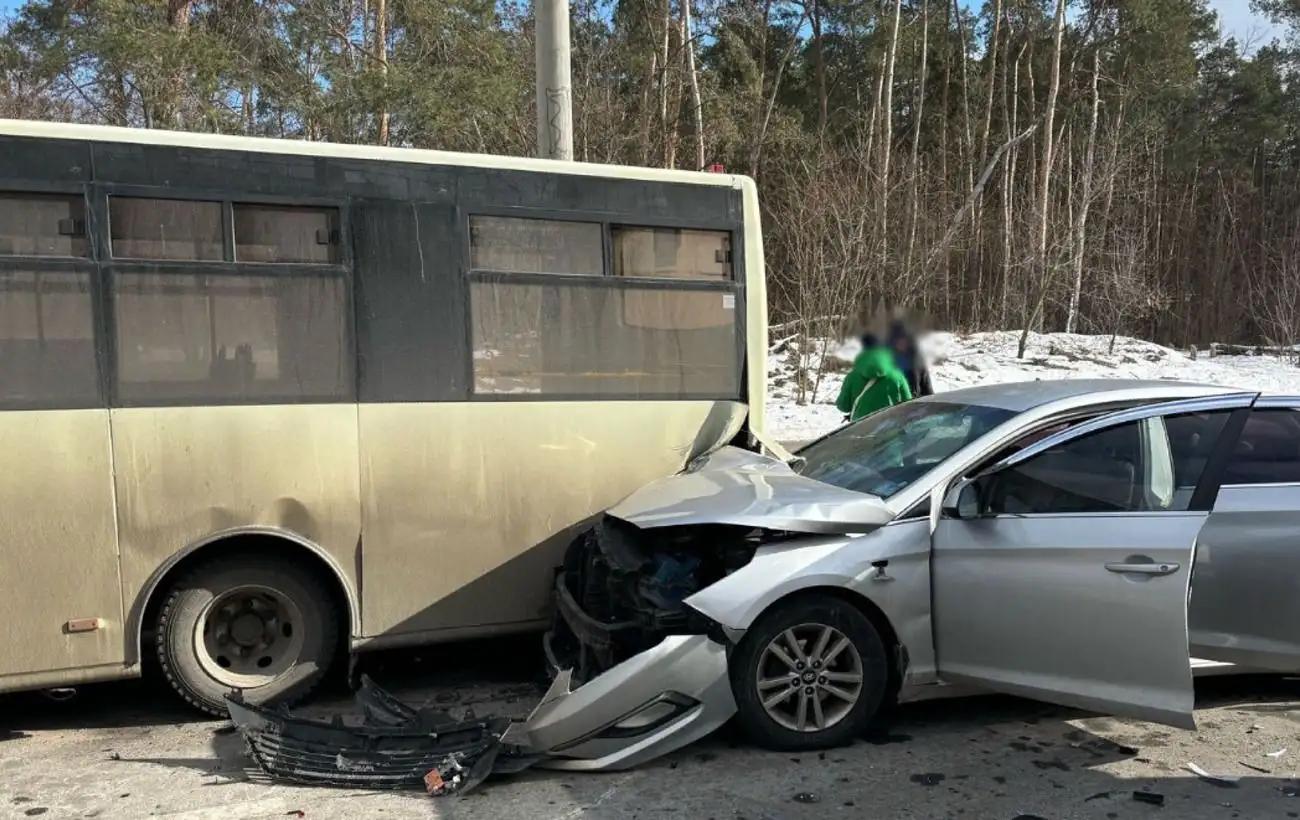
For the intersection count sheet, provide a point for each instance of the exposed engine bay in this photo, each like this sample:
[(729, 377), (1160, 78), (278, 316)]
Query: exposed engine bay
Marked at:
[(622, 588)]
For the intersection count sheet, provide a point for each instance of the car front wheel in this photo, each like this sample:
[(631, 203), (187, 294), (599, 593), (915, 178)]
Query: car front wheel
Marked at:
[(812, 673)]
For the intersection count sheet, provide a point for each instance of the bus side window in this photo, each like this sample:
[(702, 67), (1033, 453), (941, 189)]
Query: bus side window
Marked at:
[(260, 315), (47, 325)]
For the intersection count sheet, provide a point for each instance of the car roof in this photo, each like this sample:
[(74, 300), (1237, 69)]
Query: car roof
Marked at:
[(1019, 397)]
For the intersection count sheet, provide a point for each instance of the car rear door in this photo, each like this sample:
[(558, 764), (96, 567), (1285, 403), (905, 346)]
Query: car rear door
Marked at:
[(1245, 604), (1068, 581)]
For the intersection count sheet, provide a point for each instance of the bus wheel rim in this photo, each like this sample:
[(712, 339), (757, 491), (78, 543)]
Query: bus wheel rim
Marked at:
[(249, 635)]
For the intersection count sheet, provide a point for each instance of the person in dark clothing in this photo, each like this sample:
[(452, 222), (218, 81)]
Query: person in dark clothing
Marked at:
[(909, 360)]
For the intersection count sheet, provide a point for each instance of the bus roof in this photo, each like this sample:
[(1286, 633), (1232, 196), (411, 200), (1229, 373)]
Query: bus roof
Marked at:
[(266, 145)]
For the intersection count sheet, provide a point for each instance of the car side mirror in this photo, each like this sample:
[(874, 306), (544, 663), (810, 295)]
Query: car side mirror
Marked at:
[(962, 501)]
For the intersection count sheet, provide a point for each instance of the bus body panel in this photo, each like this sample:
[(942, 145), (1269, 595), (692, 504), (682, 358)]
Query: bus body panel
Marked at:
[(442, 503), (58, 530), (258, 468), (468, 507), (755, 282)]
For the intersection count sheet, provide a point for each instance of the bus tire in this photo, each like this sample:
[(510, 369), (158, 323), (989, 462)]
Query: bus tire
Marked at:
[(260, 625)]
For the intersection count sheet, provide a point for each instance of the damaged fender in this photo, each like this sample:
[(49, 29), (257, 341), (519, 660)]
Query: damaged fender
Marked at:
[(651, 704), (889, 567), (775, 572)]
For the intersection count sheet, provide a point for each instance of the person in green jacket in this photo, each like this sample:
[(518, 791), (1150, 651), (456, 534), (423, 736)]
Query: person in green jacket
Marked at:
[(874, 383)]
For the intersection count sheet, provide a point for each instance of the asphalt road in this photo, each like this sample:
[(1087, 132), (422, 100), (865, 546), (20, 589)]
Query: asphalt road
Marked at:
[(127, 751)]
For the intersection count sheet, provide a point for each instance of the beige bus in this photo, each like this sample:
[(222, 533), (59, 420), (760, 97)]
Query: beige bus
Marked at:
[(265, 403)]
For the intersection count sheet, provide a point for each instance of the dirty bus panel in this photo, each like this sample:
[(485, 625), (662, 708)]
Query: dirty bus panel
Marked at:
[(60, 570), (267, 370), (570, 409)]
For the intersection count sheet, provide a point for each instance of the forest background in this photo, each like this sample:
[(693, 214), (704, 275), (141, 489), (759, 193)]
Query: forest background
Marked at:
[(1094, 166)]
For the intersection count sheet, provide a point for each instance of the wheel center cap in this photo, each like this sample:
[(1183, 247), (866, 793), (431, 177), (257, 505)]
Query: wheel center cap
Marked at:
[(809, 677), (246, 630)]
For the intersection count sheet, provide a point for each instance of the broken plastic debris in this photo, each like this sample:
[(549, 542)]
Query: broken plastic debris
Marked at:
[(1225, 779), (1278, 753), (807, 797), (393, 746), (1154, 798), (433, 782), (448, 777)]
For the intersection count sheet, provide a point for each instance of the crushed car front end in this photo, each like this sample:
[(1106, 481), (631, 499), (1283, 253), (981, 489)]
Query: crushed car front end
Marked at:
[(637, 670)]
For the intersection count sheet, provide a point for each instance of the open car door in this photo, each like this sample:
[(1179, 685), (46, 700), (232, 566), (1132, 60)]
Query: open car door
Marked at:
[(1062, 573), (1245, 604)]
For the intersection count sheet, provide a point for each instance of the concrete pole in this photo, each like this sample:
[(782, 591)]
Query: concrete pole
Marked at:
[(554, 87)]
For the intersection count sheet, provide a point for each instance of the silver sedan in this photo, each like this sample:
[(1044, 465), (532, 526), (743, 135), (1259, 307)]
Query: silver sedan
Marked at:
[(1037, 539)]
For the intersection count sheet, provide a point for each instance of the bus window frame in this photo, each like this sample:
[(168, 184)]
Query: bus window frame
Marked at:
[(109, 267), (733, 285), (87, 265)]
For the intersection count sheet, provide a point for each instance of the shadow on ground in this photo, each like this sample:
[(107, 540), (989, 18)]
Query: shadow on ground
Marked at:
[(983, 757)]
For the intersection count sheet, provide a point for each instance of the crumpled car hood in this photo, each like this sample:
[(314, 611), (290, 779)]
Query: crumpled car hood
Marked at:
[(737, 487)]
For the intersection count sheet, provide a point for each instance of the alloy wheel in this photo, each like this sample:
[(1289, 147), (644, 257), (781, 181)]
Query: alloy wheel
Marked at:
[(809, 678)]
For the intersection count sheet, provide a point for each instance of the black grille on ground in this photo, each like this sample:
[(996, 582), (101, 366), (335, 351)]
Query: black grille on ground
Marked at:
[(392, 746)]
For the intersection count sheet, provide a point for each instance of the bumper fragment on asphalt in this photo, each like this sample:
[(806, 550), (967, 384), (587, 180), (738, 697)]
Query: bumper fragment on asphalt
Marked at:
[(392, 746)]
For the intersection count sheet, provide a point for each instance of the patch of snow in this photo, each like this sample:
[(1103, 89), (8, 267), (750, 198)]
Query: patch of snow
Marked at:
[(982, 358)]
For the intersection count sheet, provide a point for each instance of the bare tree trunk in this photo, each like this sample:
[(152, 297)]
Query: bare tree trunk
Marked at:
[(975, 193), (679, 96), (915, 170), (1045, 188), (887, 135), (248, 108), (968, 146), (169, 108), (819, 67), (652, 71), (1012, 116), (664, 43), (983, 263), (381, 51), (756, 154), (876, 107), (1112, 165), (992, 77), (943, 105), (697, 105), (1085, 192)]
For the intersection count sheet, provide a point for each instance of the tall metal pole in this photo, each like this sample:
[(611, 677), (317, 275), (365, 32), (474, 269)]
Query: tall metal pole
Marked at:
[(554, 87)]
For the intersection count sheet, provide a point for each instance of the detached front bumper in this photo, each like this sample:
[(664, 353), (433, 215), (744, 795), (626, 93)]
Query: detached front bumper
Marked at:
[(651, 704)]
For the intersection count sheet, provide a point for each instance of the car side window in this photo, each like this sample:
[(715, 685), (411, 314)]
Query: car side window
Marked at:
[(1097, 472), (1149, 465), (1268, 451)]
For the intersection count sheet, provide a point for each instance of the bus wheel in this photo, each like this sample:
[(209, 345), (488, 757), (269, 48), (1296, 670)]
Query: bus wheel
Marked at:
[(259, 625)]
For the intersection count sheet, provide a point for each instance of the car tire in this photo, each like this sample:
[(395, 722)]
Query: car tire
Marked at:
[(266, 627), (754, 668)]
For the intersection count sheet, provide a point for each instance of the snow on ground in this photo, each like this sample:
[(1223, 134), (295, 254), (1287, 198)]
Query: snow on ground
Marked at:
[(984, 358)]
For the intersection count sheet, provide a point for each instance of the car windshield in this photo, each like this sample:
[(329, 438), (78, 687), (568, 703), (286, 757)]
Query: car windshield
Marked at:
[(884, 453)]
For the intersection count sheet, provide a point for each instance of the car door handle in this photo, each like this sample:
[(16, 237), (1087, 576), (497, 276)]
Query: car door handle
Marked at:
[(1142, 569)]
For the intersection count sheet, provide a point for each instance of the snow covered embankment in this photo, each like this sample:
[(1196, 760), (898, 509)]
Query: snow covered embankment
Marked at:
[(990, 358)]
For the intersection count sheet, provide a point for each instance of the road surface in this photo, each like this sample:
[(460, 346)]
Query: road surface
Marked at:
[(128, 751)]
